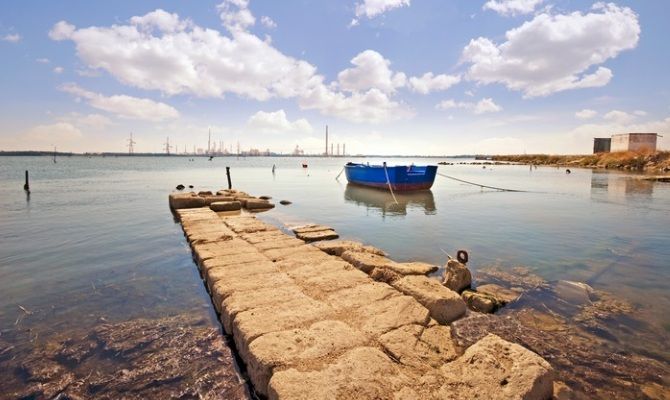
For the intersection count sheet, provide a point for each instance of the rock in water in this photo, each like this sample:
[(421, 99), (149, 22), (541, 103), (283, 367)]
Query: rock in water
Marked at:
[(494, 368), (285, 202), (180, 187), (457, 276), (479, 302), (499, 293)]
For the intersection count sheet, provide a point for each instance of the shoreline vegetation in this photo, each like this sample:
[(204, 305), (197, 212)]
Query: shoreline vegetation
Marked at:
[(658, 161)]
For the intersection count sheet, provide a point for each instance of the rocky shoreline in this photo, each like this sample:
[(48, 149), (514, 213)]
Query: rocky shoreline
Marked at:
[(652, 162)]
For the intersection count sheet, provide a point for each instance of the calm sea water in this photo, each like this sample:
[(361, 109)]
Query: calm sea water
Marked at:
[(95, 238)]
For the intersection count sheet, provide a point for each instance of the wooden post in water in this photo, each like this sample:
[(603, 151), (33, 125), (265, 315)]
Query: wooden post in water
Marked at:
[(26, 187), (230, 185)]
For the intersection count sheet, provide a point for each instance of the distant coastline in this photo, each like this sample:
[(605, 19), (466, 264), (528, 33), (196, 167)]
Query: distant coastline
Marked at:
[(658, 161), (20, 153)]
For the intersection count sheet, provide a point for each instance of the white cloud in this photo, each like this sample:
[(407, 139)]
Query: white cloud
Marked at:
[(483, 106), (586, 114), (619, 117), (268, 22), (61, 31), (58, 70), (124, 106), (373, 8), (512, 7), (87, 121), (56, 133), (160, 51), (11, 37), (43, 60), (235, 15), (371, 70), (276, 122), (640, 113), (430, 83), (552, 53)]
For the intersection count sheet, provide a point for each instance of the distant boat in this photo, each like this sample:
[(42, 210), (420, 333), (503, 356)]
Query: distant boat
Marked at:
[(401, 177)]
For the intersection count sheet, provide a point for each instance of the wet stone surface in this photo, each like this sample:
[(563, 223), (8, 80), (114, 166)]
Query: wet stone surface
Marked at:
[(172, 357)]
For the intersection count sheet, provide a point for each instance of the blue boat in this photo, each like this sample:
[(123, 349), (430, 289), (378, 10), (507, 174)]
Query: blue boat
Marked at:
[(401, 178)]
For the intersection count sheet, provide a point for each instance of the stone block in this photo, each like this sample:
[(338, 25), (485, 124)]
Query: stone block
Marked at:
[(311, 347), (317, 235), (337, 247), (444, 304), (457, 276), (365, 261), (361, 373), (185, 200), (258, 204), (225, 206), (497, 369)]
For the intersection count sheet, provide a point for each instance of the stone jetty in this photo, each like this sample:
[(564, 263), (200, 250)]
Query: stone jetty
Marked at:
[(338, 319)]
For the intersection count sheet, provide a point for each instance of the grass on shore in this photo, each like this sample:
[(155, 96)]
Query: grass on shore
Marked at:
[(658, 161)]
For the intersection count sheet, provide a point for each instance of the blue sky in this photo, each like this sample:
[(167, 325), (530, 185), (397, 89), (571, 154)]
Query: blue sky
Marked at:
[(387, 76)]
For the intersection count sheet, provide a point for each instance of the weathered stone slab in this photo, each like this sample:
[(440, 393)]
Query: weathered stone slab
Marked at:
[(247, 300), (500, 294), (312, 347), (225, 206), (217, 198), (365, 261), (207, 251), (420, 347), (317, 236), (318, 280), (337, 247), (358, 296), (224, 288), (412, 268), (378, 317), (289, 252), (282, 242), (185, 200), (457, 276), (297, 313), (264, 236), (258, 204), (361, 373), (444, 304), (498, 370), (216, 274), (311, 228)]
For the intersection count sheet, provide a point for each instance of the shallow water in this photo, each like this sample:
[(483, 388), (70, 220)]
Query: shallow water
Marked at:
[(95, 240)]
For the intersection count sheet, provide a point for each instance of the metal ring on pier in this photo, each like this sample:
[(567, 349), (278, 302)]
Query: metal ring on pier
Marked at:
[(462, 256)]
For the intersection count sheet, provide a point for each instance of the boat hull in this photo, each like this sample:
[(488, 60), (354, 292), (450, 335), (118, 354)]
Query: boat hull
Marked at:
[(402, 178)]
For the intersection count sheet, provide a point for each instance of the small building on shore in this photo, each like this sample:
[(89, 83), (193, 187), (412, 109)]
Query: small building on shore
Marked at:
[(601, 145), (626, 142)]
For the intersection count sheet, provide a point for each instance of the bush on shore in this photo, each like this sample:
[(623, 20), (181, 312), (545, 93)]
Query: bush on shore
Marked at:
[(658, 161)]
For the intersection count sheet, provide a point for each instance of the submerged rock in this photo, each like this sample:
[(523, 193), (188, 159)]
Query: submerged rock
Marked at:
[(479, 302), (285, 202), (180, 187), (174, 357), (500, 294)]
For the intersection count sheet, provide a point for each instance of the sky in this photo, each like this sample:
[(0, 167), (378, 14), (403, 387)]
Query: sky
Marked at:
[(387, 76)]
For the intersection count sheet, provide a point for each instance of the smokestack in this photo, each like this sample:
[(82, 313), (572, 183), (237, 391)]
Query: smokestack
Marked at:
[(326, 153), (344, 153), (338, 149), (331, 149)]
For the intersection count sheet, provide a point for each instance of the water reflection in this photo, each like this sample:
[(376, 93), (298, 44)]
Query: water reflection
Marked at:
[(381, 201), (617, 187)]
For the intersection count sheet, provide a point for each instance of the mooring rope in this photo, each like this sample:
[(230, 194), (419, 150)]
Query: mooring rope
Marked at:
[(388, 182), (338, 175), (483, 186)]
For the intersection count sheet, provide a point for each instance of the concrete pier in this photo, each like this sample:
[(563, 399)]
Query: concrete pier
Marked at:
[(310, 322)]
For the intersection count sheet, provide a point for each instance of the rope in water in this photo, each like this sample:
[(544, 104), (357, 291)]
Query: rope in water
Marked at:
[(338, 175), (482, 186), (388, 182)]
